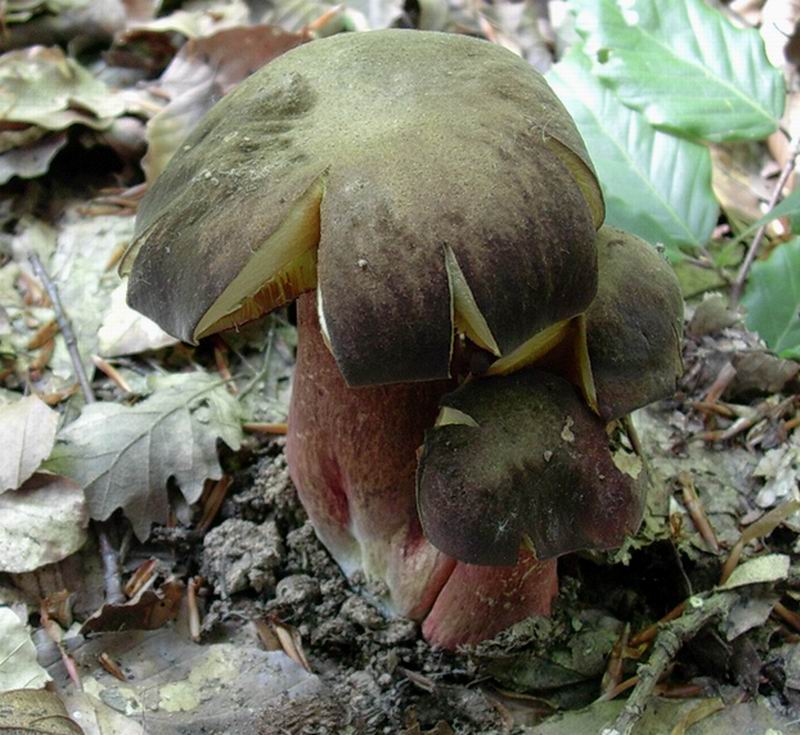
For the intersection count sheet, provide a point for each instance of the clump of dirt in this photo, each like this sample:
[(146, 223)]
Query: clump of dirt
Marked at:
[(264, 560)]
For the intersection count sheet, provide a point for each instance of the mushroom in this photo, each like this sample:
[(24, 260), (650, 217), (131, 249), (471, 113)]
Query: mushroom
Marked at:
[(430, 204)]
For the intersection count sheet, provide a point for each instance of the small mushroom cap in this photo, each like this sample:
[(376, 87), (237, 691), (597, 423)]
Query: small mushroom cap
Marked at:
[(522, 460), (417, 179), (634, 325)]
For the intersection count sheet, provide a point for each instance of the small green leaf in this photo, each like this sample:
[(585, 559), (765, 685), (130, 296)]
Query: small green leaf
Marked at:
[(684, 66), (123, 456), (772, 299), (656, 186)]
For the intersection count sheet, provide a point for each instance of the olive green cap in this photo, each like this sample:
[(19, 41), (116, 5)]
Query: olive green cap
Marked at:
[(416, 162), (634, 326)]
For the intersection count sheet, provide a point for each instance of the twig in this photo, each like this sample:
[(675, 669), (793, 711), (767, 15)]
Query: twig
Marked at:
[(64, 326), (108, 555), (264, 428), (669, 641), (696, 511), (744, 270)]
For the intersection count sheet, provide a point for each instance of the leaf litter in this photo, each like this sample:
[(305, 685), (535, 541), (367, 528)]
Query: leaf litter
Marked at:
[(168, 427)]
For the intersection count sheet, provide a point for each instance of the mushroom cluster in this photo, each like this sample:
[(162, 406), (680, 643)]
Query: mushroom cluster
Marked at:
[(468, 334)]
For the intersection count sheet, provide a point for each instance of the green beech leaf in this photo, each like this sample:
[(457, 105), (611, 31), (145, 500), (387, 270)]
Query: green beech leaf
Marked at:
[(788, 207), (684, 66), (123, 456), (772, 299), (656, 186)]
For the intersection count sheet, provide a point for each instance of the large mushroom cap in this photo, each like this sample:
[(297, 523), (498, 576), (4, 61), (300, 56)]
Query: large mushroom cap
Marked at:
[(420, 180), (634, 326), (521, 459)]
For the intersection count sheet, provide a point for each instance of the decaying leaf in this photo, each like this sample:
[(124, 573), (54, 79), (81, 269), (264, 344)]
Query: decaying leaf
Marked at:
[(766, 568), (171, 434), (41, 86), (27, 434), (43, 522), (127, 332), (19, 668), (32, 159), (147, 610), (79, 269), (35, 712), (176, 686)]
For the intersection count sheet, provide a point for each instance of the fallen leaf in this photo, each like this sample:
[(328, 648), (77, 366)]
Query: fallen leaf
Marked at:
[(19, 668), (176, 686), (147, 610), (43, 522), (127, 332), (766, 568), (35, 712), (79, 270), (27, 434), (31, 160), (173, 433), (43, 87)]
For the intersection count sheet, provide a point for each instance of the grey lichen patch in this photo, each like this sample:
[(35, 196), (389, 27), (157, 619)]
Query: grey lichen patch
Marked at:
[(461, 157)]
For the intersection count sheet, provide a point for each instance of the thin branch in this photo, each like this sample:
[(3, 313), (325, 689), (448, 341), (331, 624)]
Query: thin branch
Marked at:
[(65, 327), (744, 270), (669, 641), (108, 555)]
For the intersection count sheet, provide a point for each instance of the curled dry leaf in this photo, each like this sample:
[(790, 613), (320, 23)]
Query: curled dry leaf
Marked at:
[(51, 22), (19, 668), (202, 72), (32, 159), (43, 522), (148, 610), (27, 434)]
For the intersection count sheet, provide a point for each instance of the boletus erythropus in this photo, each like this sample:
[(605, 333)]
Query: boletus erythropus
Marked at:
[(430, 204)]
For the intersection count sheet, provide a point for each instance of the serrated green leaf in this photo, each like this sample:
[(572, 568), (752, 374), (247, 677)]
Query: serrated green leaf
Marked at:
[(656, 185), (684, 66), (772, 299), (123, 456)]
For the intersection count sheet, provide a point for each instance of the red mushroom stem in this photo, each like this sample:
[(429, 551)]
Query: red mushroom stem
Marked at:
[(352, 454)]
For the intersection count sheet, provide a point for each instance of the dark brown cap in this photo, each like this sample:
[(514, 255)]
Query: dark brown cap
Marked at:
[(522, 461)]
